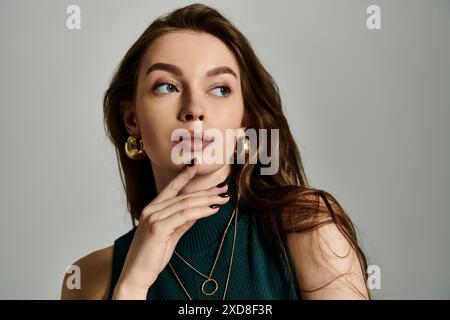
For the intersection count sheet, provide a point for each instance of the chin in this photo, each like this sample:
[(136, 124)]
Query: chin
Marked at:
[(205, 168)]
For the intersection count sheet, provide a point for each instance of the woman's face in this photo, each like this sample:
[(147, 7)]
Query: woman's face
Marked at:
[(182, 94)]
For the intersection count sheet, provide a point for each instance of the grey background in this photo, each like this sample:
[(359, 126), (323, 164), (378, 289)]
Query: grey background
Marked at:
[(369, 109)]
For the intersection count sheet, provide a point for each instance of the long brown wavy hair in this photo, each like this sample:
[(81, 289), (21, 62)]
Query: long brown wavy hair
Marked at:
[(285, 202)]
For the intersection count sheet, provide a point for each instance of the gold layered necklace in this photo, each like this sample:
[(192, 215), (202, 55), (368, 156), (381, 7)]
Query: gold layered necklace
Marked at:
[(209, 278)]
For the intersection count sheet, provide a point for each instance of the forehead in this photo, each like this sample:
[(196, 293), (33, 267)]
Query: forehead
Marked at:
[(194, 52)]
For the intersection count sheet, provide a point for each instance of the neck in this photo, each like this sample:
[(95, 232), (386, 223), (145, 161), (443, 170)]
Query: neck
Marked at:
[(206, 233)]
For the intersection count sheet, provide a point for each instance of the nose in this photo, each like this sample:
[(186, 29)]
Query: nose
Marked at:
[(192, 112), (187, 116), (193, 108)]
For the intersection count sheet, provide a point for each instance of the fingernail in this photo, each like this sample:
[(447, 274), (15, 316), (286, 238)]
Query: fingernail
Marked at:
[(193, 161), (214, 206), (224, 195), (222, 184)]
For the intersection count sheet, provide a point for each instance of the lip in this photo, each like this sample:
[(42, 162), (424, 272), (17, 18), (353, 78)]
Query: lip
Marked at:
[(194, 135), (194, 140), (193, 144), (198, 134)]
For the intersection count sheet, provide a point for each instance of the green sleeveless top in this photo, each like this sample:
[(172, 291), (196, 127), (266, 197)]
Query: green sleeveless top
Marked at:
[(256, 272)]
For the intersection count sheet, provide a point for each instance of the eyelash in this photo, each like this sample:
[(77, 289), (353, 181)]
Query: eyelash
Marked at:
[(157, 85)]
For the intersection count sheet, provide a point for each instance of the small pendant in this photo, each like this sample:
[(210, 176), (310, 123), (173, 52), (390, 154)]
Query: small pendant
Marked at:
[(216, 286)]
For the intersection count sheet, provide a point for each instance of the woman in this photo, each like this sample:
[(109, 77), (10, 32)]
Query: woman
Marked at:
[(213, 230)]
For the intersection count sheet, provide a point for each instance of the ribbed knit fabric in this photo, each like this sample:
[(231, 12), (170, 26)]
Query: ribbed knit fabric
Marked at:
[(255, 274)]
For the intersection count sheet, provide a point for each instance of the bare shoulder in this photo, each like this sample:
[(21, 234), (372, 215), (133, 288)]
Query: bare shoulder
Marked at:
[(327, 266), (94, 276)]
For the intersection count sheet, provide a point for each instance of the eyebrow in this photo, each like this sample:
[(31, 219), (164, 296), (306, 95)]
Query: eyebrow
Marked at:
[(177, 71)]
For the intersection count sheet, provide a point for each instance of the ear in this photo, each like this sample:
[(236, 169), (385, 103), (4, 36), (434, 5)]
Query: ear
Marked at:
[(129, 118)]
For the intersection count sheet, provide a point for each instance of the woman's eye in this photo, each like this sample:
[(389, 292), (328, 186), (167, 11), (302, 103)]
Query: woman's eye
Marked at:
[(223, 90), (170, 87)]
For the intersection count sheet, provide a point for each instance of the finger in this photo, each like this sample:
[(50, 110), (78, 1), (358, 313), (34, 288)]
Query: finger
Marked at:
[(155, 207), (174, 186), (189, 203), (174, 221), (178, 233)]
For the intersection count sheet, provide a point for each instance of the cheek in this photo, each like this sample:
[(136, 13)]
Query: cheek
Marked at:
[(232, 117), (155, 130)]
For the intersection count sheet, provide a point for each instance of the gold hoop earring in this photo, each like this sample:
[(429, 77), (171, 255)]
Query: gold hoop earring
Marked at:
[(134, 148), (245, 148)]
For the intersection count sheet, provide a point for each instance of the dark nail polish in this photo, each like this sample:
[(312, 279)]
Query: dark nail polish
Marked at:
[(214, 206), (222, 184), (193, 161), (224, 195)]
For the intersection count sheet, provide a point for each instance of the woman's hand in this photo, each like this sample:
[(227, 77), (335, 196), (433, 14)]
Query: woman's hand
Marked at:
[(161, 225)]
